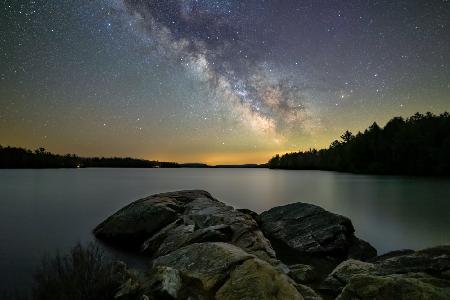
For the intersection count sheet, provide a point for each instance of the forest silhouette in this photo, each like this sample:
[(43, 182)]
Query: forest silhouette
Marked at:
[(418, 145), (17, 158)]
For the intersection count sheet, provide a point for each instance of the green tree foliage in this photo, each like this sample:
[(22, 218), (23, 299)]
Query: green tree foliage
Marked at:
[(419, 145)]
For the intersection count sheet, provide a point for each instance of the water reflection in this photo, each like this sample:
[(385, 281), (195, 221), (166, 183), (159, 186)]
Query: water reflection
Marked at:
[(45, 210)]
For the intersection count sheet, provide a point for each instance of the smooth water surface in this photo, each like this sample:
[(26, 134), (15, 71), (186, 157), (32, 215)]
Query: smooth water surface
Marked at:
[(42, 211)]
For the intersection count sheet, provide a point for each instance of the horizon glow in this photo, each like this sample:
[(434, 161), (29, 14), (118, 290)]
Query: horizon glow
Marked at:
[(218, 82)]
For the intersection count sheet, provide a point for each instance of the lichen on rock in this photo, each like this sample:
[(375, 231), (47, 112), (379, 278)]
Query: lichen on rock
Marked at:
[(202, 249)]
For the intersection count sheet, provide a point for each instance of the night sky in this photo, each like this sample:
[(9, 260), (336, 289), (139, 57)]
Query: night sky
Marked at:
[(215, 81)]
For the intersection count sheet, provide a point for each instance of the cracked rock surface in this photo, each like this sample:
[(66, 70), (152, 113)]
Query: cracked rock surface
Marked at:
[(428, 268), (163, 223), (303, 233), (199, 248)]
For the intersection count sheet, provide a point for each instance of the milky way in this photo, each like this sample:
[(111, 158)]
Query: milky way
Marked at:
[(215, 81), (217, 40)]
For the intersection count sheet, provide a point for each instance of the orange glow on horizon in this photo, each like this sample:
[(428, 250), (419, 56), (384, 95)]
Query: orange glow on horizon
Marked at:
[(233, 158)]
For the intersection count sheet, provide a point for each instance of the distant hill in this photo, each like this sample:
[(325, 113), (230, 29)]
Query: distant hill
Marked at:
[(419, 145), (15, 158)]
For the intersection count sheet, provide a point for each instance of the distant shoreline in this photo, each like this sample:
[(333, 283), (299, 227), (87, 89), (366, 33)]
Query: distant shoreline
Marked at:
[(21, 158), (416, 146), (179, 167)]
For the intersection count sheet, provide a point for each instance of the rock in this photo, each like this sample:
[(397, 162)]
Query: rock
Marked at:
[(177, 238), (395, 287), (245, 231), (173, 237), (307, 292), (223, 271), (446, 274), (360, 249), (343, 273), (203, 249), (163, 223), (256, 279), (138, 221), (251, 213), (207, 263), (152, 244), (217, 233), (302, 273), (391, 255), (129, 290), (434, 261), (165, 283), (301, 229)]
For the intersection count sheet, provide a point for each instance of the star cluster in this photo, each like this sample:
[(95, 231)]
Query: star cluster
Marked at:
[(215, 81)]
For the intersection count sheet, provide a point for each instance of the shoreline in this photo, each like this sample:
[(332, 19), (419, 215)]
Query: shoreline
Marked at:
[(308, 252)]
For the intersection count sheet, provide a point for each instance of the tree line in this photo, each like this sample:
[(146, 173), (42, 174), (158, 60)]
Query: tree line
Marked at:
[(418, 145), (16, 158)]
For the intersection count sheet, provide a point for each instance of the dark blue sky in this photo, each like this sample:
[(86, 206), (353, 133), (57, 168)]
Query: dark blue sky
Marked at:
[(215, 81)]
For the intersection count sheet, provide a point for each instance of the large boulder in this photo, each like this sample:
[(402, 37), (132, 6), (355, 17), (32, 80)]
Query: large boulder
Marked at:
[(434, 261), (203, 249), (136, 222), (395, 287), (429, 263), (223, 271), (256, 279), (343, 273), (162, 223), (207, 263), (302, 230)]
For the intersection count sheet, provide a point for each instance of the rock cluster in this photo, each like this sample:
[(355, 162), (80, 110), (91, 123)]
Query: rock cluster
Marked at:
[(200, 248), (160, 224), (416, 274)]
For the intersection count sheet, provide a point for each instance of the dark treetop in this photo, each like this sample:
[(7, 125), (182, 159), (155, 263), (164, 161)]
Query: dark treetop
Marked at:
[(419, 145), (16, 158)]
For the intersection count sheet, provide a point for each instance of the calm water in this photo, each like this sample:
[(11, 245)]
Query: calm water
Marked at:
[(45, 210)]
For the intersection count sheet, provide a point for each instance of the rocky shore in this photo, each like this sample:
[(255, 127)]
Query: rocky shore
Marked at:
[(200, 248)]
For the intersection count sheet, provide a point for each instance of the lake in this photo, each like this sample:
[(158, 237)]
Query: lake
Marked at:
[(47, 210)]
